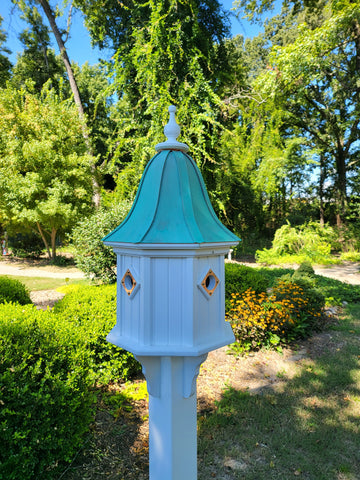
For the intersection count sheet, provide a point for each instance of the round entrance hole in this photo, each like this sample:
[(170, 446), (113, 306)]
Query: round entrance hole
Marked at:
[(128, 282), (210, 282)]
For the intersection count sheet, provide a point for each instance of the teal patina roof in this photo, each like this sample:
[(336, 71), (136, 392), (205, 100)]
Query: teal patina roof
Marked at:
[(171, 206)]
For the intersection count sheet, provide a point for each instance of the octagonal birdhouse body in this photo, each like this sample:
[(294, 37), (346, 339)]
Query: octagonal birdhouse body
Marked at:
[(170, 261)]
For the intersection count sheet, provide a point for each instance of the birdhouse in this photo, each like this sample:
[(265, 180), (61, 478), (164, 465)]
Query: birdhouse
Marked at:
[(170, 261)]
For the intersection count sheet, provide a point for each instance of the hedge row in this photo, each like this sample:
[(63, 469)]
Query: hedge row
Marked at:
[(51, 362), (45, 392)]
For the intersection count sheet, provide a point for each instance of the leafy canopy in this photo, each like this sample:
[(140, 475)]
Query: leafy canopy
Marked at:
[(45, 175)]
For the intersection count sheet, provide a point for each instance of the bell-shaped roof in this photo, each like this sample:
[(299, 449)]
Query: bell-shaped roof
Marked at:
[(172, 205)]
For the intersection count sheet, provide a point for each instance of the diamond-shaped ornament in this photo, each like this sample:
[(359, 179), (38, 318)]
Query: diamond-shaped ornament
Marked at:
[(128, 282), (210, 282)]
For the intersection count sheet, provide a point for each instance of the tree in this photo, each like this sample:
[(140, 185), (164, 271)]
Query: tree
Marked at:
[(38, 61), (315, 81), (255, 9), (5, 64), (176, 56), (45, 172), (25, 6), (93, 82)]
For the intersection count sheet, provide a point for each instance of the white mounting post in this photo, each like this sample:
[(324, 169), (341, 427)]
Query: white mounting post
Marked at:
[(171, 385)]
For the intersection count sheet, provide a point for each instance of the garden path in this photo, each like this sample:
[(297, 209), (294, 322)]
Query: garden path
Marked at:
[(348, 272), (34, 268)]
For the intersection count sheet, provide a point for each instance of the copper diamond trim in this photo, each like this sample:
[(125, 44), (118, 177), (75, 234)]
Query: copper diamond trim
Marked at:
[(128, 282), (210, 282)]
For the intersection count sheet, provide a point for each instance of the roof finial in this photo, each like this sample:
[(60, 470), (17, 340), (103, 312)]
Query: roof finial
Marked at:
[(172, 131)]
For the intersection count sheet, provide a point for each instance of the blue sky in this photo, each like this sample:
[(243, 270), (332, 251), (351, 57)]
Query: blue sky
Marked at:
[(79, 48)]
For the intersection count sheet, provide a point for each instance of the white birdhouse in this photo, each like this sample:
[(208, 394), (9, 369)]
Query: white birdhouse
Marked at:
[(170, 260), (171, 297)]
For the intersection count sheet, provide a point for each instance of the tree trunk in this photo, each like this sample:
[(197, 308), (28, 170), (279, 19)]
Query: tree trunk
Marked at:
[(74, 88), (341, 188), (53, 243), (321, 190), (42, 234)]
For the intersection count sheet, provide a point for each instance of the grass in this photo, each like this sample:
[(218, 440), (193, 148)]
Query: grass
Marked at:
[(45, 283), (308, 430), (311, 430)]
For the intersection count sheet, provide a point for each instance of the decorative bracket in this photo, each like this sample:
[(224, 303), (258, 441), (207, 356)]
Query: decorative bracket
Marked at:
[(160, 372)]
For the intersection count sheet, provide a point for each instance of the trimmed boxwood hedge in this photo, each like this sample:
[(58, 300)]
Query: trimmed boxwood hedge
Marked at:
[(92, 310), (50, 363), (45, 392), (12, 290)]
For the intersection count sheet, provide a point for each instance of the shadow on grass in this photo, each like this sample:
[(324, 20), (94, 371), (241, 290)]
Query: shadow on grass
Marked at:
[(116, 447), (311, 430)]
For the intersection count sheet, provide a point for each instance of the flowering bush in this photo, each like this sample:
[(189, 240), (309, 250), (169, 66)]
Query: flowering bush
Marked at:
[(275, 318)]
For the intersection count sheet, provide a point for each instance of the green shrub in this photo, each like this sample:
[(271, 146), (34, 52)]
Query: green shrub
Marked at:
[(305, 243), (26, 245), (350, 256), (12, 290), (45, 396), (311, 302), (92, 257), (272, 274), (92, 310), (238, 278), (305, 269)]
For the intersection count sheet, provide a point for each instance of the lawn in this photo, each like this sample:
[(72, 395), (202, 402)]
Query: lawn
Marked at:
[(308, 430), (46, 283)]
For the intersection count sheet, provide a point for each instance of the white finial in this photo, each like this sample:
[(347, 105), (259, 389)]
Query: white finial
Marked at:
[(172, 131)]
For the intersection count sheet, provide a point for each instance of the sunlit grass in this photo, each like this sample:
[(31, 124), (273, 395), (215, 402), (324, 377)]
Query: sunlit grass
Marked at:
[(310, 430), (45, 283)]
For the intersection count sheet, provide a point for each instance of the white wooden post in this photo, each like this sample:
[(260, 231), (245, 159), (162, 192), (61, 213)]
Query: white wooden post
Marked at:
[(172, 416)]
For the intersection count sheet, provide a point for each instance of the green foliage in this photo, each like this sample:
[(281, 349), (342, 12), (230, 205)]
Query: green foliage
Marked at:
[(305, 243), (96, 260), (311, 302), (37, 61), (45, 173), (12, 290), (298, 81), (92, 312), (337, 292), (92, 82), (272, 274), (26, 245), (350, 256), (334, 291), (305, 269), (49, 362), (174, 53), (5, 64), (45, 396), (239, 278)]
